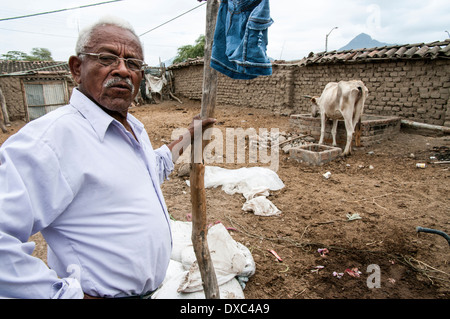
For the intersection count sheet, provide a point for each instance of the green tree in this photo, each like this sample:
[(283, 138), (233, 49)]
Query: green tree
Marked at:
[(40, 54), (37, 54), (191, 51), (14, 55)]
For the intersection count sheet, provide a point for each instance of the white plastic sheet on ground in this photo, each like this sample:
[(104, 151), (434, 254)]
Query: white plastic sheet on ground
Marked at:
[(233, 265), (254, 183)]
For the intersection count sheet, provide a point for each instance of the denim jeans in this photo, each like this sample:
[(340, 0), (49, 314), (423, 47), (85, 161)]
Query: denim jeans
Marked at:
[(240, 39)]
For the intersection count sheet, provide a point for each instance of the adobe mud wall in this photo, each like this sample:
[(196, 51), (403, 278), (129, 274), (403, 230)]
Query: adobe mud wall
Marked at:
[(418, 90), (13, 90)]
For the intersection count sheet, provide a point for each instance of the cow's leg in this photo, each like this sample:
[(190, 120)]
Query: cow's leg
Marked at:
[(334, 131), (322, 128), (349, 129)]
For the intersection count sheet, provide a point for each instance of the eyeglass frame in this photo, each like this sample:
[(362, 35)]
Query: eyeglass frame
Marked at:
[(116, 63)]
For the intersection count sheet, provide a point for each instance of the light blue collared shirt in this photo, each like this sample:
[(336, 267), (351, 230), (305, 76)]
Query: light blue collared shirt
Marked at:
[(93, 191)]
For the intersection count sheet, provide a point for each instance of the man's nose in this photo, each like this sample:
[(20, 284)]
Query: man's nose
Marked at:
[(121, 67)]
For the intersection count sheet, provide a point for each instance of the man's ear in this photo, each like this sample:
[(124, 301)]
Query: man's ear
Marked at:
[(75, 68)]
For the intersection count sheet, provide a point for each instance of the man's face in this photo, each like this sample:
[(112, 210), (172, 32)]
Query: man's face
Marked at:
[(96, 80)]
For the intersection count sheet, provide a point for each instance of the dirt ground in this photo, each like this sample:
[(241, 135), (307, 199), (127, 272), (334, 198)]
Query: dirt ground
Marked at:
[(381, 183)]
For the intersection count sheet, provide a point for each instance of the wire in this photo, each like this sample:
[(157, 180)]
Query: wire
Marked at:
[(90, 6), (60, 10), (31, 32), (173, 19)]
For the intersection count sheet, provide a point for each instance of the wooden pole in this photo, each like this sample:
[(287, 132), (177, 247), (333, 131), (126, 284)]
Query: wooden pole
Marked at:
[(4, 118), (197, 181)]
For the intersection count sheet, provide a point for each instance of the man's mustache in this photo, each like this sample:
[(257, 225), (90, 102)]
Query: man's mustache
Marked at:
[(116, 80)]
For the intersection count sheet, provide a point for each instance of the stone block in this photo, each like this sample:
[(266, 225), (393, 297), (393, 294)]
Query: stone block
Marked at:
[(314, 154)]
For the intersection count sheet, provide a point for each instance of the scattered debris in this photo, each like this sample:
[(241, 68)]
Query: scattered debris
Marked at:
[(275, 254), (354, 272), (351, 217), (391, 280), (317, 268), (286, 270), (323, 252), (267, 139), (441, 153), (338, 274), (290, 140), (327, 175)]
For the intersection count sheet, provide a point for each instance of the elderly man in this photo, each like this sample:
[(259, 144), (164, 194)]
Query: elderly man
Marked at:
[(86, 176)]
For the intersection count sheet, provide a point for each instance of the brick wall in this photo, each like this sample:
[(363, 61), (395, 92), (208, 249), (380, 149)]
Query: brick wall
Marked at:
[(374, 128), (416, 89)]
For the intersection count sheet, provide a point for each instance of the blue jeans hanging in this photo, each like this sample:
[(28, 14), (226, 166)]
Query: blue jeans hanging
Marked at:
[(241, 38)]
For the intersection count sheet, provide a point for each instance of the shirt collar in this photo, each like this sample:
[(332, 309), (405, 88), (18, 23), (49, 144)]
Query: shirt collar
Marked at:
[(99, 119)]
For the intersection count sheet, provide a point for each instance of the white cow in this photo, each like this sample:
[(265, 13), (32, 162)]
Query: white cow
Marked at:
[(344, 100)]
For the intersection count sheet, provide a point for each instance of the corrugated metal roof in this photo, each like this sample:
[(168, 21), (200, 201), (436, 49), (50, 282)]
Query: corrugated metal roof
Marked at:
[(9, 67), (434, 50)]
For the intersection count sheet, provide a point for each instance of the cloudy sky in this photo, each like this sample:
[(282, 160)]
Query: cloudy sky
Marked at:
[(300, 26)]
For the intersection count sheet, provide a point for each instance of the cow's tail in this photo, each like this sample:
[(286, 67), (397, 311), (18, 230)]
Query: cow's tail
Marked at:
[(359, 105), (359, 109)]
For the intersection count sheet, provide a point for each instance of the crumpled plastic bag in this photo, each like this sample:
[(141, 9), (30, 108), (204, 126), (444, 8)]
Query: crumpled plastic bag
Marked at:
[(246, 180), (169, 289), (227, 258), (251, 182), (233, 264), (261, 206)]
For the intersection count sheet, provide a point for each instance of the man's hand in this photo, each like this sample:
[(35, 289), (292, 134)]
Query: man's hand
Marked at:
[(197, 125)]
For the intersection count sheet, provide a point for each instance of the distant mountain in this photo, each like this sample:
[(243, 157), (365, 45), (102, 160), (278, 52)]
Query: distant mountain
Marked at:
[(169, 62), (362, 41)]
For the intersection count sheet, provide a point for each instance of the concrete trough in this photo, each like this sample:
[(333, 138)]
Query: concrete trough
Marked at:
[(314, 154), (374, 128)]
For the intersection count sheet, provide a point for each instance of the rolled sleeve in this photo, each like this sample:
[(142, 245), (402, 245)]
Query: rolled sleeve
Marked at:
[(67, 288), (164, 163)]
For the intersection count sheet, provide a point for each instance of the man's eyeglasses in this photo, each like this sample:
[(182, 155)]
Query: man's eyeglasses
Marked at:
[(108, 59)]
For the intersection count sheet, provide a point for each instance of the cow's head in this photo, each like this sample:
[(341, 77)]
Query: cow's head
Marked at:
[(315, 110)]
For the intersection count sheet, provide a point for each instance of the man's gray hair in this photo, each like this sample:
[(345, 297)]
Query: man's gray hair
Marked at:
[(85, 35)]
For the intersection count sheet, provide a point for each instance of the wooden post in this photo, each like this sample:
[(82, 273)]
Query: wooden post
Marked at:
[(4, 118), (197, 181)]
